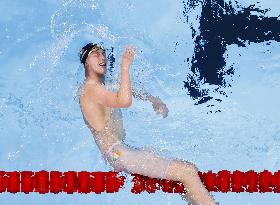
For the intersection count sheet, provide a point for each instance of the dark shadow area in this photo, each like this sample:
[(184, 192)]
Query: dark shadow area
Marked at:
[(222, 25)]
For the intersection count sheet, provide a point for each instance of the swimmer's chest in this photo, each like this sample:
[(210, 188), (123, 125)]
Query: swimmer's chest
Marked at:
[(96, 114), (99, 116)]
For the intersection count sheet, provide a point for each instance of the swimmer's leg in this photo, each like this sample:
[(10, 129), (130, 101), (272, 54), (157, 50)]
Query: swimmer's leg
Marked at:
[(187, 173), (147, 163)]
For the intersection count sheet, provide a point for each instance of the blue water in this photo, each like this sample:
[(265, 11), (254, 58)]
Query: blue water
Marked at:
[(41, 124)]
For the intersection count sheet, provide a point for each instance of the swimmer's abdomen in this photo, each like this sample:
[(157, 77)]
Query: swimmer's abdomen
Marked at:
[(116, 124)]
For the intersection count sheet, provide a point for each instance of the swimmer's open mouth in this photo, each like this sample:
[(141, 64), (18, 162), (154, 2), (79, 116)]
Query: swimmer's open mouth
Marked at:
[(102, 64)]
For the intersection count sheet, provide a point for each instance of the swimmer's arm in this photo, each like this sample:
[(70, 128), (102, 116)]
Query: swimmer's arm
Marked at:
[(143, 95), (157, 104), (106, 97)]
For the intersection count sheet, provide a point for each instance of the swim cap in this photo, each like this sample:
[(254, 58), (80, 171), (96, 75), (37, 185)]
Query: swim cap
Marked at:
[(84, 52)]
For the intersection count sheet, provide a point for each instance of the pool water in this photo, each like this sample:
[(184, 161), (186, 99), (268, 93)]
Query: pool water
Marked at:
[(41, 123)]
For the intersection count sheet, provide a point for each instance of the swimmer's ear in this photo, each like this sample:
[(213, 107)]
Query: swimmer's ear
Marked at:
[(86, 64)]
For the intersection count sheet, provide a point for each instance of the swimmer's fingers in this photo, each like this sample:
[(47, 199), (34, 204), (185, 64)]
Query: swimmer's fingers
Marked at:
[(130, 48), (127, 57), (165, 113), (130, 51), (161, 108)]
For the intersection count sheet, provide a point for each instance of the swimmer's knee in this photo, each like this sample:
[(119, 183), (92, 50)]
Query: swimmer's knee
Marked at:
[(189, 170), (190, 166), (186, 166), (179, 170)]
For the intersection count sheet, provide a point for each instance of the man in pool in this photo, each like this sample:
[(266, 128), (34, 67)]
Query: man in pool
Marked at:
[(101, 111)]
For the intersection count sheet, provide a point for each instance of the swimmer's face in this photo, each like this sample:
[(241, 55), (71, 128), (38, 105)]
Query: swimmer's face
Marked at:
[(96, 61)]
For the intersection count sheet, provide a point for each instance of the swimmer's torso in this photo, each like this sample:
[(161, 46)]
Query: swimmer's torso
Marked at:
[(104, 122)]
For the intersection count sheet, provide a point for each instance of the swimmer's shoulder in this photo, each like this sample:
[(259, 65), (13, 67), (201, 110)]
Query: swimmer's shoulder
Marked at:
[(90, 93), (87, 89)]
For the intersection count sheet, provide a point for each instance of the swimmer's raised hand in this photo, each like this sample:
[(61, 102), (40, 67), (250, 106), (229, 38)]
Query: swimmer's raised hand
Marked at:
[(127, 57)]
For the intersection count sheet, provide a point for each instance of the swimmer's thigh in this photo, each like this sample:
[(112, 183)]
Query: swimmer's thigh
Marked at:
[(144, 162)]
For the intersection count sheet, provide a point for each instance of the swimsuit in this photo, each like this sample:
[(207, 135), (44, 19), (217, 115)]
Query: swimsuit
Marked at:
[(139, 161)]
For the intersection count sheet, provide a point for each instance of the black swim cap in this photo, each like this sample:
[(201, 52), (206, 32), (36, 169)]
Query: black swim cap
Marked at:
[(86, 49)]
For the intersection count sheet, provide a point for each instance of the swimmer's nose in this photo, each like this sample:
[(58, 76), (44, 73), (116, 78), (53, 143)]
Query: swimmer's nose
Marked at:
[(103, 57)]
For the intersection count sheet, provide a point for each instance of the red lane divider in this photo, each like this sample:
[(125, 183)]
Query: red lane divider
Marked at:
[(86, 182)]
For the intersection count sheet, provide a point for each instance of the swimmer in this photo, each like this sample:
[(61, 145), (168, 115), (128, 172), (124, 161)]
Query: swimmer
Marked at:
[(101, 111)]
